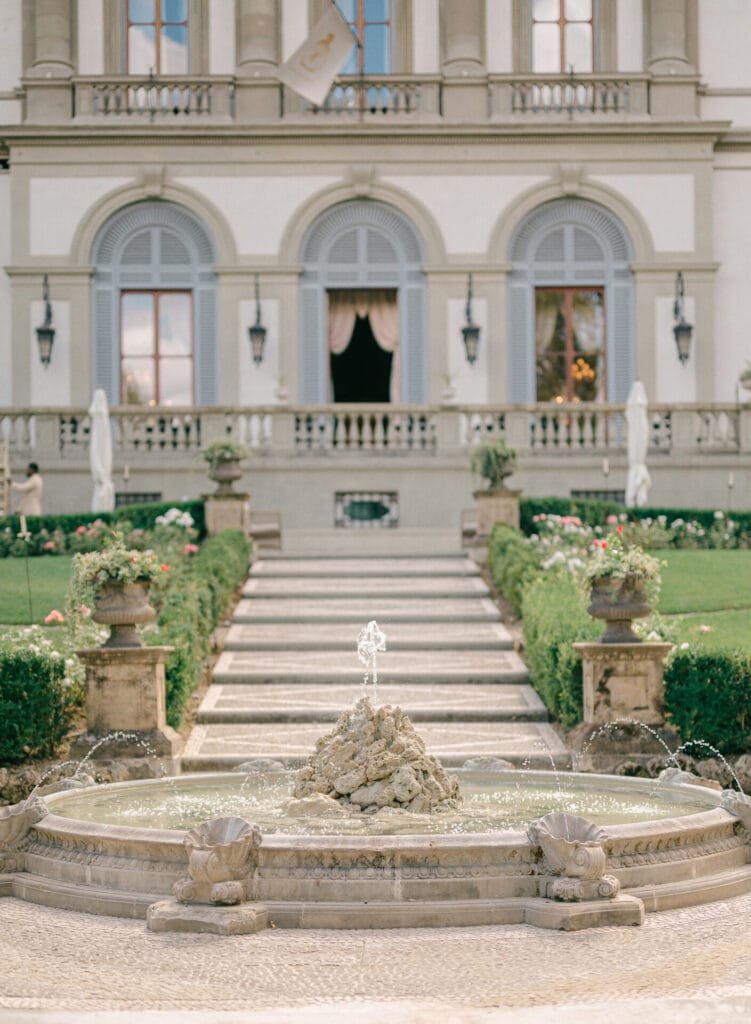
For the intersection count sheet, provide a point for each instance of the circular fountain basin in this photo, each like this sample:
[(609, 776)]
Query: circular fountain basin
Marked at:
[(117, 848)]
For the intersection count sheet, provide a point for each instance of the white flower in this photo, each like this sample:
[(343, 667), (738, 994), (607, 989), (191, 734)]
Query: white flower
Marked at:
[(719, 515)]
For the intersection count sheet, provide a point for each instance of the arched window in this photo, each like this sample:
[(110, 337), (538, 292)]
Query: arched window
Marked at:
[(154, 307), (362, 259), (570, 332)]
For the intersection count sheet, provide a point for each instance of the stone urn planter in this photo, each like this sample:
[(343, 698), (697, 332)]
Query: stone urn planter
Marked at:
[(224, 474), (618, 602), (123, 606)]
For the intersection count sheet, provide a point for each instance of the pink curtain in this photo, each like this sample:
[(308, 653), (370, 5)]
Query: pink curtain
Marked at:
[(380, 306)]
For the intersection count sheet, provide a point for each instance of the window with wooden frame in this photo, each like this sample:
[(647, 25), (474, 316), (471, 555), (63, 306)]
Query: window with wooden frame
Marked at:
[(371, 23), (156, 347), (570, 344), (157, 37), (553, 36)]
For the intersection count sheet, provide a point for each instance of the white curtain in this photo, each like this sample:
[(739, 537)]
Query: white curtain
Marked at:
[(637, 428), (380, 306)]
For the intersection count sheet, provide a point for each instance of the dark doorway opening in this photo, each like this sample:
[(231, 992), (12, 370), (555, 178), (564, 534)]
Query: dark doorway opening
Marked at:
[(362, 372)]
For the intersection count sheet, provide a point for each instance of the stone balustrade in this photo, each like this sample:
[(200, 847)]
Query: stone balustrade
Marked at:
[(153, 98), (584, 96), (371, 98)]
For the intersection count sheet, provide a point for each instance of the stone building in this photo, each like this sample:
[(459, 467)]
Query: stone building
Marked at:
[(569, 158)]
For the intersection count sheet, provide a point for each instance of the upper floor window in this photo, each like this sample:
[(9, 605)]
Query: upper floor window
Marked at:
[(157, 37), (562, 36), (370, 21)]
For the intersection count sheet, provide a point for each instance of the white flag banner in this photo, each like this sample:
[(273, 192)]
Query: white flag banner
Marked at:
[(313, 66)]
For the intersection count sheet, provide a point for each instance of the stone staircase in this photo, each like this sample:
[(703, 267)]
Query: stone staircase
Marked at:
[(289, 665)]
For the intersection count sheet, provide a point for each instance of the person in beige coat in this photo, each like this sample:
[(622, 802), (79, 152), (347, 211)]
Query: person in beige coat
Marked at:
[(32, 489)]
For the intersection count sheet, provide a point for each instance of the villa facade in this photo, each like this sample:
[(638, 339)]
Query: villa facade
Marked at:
[(572, 156)]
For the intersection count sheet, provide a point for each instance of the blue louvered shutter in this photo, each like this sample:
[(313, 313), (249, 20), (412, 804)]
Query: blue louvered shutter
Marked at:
[(621, 368), (313, 346), (520, 360), (205, 355), (412, 330), (105, 354)]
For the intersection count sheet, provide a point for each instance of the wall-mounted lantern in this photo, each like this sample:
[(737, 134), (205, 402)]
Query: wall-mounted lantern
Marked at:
[(470, 331), (45, 332), (257, 332), (681, 329)]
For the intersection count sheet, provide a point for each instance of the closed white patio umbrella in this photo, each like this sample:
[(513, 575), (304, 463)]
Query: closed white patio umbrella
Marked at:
[(637, 427), (100, 454)]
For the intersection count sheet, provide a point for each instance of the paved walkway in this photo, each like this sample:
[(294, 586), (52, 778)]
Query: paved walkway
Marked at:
[(289, 666), (686, 966)]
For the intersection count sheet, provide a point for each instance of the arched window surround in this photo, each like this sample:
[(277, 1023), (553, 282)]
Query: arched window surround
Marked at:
[(568, 242), (362, 243), (186, 264)]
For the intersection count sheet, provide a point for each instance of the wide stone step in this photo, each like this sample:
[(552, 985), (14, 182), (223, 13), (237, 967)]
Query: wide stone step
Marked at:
[(282, 567), (388, 586), (293, 636), (224, 747), (424, 667), (363, 609), (324, 703)]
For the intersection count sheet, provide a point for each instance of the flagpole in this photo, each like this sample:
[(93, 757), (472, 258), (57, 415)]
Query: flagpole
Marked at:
[(361, 69)]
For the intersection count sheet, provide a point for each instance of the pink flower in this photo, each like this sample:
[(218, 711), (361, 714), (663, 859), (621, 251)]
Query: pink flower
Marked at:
[(48, 545), (80, 530), (619, 528), (190, 549), (612, 519), (84, 610), (54, 616), (164, 567)]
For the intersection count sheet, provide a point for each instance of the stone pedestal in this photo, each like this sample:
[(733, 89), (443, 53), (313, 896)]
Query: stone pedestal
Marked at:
[(171, 916), (623, 681), (496, 507), (227, 512), (125, 694)]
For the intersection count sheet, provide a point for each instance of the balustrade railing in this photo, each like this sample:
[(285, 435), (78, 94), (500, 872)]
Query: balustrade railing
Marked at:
[(153, 98), (370, 98), (569, 96), (534, 430)]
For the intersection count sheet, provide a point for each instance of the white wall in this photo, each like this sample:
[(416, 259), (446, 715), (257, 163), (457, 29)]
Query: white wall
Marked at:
[(6, 348), (51, 385), (57, 206), (258, 385), (258, 209), (499, 49), (426, 57), (724, 43), (465, 206), (294, 25), (11, 51), (732, 238), (470, 383), (629, 36), (665, 201), (222, 37), (90, 37), (674, 382)]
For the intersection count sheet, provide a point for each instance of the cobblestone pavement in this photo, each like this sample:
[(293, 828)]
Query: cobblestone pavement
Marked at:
[(689, 965)]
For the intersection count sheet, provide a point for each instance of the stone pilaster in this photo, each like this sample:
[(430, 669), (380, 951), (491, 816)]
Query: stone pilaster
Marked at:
[(667, 37), (52, 39), (257, 36), (462, 22)]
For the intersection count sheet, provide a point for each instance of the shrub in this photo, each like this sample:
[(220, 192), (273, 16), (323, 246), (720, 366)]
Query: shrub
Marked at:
[(513, 563), (36, 704), (190, 607), (708, 698), (493, 461), (554, 617)]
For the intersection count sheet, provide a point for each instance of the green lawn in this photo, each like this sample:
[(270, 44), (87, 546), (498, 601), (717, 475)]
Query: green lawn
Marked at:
[(715, 630), (49, 582), (704, 581)]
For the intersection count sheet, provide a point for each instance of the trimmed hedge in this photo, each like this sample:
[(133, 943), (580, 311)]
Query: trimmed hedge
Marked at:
[(191, 607), (513, 563), (708, 698), (140, 517), (554, 616), (35, 705), (594, 513)]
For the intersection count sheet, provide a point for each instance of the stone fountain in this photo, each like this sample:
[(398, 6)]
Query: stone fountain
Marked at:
[(374, 833)]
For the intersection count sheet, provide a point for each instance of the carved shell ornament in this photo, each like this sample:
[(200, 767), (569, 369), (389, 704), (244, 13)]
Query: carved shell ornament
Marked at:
[(571, 846), (222, 849), (16, 820)]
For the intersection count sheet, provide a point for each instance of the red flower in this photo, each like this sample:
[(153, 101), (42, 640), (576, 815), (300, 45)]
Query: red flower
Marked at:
[(619, 529), (603, 544), (80, 530), (164, 567)]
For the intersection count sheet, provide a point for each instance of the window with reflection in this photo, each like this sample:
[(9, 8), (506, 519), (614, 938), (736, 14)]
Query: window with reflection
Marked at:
[(157, 37), (562, 36), (156, 348), (370, 21), (570, 344)]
